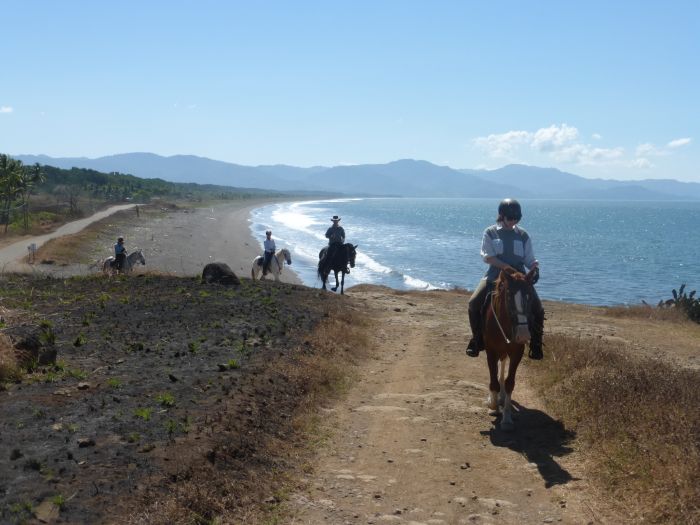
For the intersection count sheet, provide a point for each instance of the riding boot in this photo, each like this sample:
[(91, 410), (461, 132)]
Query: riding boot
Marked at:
[(536, 333), (476, 343)]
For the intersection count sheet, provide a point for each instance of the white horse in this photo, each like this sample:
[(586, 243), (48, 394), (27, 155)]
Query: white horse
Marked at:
[(276, 263), (134, 258)]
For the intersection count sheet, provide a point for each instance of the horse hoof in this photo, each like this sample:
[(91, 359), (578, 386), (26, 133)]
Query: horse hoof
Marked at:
[(334, 289)]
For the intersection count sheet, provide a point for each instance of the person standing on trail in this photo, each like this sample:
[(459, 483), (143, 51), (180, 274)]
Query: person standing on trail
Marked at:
[(336, 238), (119, 254), (270, 249), (505, 245)]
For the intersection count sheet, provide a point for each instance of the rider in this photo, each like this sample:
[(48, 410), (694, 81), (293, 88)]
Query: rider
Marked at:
[(119, 254), (336, 238), (269, 246), (505, 245)]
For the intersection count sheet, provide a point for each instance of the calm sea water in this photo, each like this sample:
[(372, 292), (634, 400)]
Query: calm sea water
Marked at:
[(590, 252)]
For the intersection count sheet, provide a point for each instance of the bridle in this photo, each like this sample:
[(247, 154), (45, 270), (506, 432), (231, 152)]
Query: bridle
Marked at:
[(511, 299)]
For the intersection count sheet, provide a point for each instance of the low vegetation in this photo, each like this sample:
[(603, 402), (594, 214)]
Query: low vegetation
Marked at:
[(38, 198), (637, 419), (682, 306), (208, 405)]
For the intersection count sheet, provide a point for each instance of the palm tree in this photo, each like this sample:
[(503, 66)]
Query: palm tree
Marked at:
[(10, 174), (30, 177)]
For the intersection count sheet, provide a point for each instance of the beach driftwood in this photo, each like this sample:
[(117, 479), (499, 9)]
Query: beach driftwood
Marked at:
[(220, 273)]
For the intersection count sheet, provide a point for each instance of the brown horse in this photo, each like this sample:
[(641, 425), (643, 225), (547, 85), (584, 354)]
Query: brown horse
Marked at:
[(505, 329)]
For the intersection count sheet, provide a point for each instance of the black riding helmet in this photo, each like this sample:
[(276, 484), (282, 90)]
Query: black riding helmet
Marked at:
[(510, 208)]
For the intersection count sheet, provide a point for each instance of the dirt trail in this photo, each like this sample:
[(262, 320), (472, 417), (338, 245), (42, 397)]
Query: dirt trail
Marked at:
[(413, 441)]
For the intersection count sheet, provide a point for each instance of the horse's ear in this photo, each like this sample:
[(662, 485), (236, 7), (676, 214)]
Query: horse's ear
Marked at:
[(355, 246)]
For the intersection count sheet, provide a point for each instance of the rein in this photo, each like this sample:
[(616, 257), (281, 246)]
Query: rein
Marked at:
[(498, 323)]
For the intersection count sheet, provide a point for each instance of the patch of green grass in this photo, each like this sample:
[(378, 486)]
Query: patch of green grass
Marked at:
[(233, 364), (143, 413), (59, 501), (166, 399), (113, 382)]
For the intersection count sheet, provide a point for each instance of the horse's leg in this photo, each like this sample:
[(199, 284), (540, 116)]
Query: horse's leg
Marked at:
[(342, 284), (507, 420), (494, 387), (502, 381), (335, 272)]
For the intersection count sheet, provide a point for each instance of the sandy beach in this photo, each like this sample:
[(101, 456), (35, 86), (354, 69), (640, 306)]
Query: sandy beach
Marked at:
[(182, 242), (175, 241)]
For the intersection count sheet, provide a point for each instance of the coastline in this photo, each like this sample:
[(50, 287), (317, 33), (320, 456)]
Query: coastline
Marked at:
[(180, 241)]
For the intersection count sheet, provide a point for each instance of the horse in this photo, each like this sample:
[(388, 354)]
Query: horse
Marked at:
[(134, 258), (343, 256), (505, 330), (276, 263)]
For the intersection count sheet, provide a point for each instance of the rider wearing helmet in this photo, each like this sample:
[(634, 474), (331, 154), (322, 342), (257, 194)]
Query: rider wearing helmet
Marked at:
[(119, 254), (505, 245)]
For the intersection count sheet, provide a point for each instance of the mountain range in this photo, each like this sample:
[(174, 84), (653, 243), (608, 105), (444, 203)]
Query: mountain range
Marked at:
[(401, 178)]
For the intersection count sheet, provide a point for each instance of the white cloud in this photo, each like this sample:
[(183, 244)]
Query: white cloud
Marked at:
[(6, 109), (679, 142), (587, 155), (562, 144), (641, 163), (648, 149), (554, 137), (504, 144)]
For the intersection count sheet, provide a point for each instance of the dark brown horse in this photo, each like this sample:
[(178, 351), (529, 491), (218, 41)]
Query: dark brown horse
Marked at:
[(341, 256), (505, 329)]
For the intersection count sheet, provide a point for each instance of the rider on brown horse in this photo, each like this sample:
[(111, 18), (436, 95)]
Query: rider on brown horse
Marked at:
[(505, 245)]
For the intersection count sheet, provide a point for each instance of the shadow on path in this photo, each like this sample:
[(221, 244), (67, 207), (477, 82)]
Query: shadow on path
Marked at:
[(539, 438)]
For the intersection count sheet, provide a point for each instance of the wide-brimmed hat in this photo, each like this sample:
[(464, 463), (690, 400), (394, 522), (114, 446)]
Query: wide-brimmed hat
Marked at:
[(335, 218)]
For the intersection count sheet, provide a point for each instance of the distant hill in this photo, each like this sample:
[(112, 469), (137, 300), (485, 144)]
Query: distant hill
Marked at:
[(403, 178)]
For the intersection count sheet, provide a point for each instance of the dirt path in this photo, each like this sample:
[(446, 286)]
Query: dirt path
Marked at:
[(413, 442)]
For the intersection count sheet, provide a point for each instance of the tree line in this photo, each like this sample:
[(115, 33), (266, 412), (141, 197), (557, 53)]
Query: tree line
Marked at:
[(70, 188)]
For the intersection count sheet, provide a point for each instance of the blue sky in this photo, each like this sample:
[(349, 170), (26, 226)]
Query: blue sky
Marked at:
[(600, 89)]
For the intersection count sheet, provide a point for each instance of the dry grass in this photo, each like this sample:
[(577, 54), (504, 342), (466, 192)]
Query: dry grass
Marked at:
[(221, 492), (648, 312), (639, 420), (9, 368)]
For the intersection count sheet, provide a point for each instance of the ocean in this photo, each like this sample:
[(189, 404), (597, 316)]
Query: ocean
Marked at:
[(590, 252)]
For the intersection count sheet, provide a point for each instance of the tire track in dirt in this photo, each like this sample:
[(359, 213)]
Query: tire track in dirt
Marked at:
[(413, 441)]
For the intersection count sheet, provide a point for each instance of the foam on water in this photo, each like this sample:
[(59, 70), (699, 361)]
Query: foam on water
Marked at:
[(590, 252)]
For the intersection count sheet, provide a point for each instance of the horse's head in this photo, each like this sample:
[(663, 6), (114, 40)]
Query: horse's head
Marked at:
[(351, 251), (287, 256), (517, 290), (139, 258)]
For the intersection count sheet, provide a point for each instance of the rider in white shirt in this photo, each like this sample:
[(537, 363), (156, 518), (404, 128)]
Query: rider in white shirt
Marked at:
[(270, 249)]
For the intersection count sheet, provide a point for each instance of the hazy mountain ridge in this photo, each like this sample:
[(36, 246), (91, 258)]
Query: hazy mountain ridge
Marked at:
[(404, 178)]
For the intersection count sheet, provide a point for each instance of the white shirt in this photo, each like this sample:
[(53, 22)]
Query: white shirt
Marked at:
[(269, 245)]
